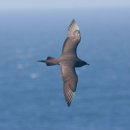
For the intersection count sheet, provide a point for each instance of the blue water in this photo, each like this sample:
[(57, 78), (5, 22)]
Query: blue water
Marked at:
[(31, 94)]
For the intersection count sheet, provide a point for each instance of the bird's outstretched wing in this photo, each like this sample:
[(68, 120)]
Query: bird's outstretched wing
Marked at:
[(72, 40), (70, 80)]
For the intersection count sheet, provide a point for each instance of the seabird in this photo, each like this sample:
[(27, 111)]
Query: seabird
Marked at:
[(68, 61)]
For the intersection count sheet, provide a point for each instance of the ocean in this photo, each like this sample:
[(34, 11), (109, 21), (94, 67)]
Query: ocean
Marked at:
[(31, 94)]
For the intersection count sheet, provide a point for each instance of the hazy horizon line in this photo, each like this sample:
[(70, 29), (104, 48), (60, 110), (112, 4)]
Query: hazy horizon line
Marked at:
[(64, 8)]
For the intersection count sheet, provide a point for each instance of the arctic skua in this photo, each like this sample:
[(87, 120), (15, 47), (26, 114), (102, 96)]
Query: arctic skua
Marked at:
[(68, 61)]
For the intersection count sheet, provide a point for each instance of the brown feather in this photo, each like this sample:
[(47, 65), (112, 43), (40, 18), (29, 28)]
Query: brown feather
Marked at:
[(69, 78)]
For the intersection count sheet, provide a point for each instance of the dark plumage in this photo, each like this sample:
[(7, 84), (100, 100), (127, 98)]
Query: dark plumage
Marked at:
[(68, 61)]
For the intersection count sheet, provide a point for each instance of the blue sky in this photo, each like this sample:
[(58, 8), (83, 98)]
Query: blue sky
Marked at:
[(52, 4)]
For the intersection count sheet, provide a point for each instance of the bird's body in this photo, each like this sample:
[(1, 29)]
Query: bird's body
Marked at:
[(68, 61)]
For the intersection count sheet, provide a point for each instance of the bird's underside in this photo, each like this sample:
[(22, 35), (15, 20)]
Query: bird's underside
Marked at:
[(68, 61), (68, 74)]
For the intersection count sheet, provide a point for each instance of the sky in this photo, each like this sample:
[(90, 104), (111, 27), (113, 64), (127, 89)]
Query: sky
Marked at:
[(55, 4)]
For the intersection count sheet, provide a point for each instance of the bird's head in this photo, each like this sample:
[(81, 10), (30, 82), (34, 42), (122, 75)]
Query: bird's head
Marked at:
[(84, 63), (81, 63)]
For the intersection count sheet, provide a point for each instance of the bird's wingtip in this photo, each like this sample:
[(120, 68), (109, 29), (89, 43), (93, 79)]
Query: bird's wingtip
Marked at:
[(68, 104), (74, 20), (72, 27)]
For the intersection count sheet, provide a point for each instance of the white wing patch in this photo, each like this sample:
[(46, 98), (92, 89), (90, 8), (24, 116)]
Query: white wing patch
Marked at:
[(69, 96), (73, 27), (68, 93)]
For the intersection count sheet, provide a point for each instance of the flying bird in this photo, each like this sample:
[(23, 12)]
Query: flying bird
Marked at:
[(68, 61)]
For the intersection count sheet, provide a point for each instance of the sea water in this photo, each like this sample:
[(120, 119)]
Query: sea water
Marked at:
[(31, 94)]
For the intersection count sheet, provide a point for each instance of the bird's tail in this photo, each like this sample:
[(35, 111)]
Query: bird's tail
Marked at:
[(50, 61)]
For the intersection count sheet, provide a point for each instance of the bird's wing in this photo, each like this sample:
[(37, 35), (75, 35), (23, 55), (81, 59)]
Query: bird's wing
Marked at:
[(72, 40), (70, 80)]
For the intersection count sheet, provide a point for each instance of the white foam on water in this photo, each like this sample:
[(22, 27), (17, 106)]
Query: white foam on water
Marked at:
[(20, 66), (33, 75)]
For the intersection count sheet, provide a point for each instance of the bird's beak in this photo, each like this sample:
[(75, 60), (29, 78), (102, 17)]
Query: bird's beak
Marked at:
[(87, 64)]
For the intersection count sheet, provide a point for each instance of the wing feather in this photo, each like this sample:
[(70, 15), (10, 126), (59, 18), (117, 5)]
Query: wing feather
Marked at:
[(72, 40), (69, 78), (73, 26)]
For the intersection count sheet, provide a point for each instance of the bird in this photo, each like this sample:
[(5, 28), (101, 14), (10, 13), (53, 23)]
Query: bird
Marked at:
[(68, 61)]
